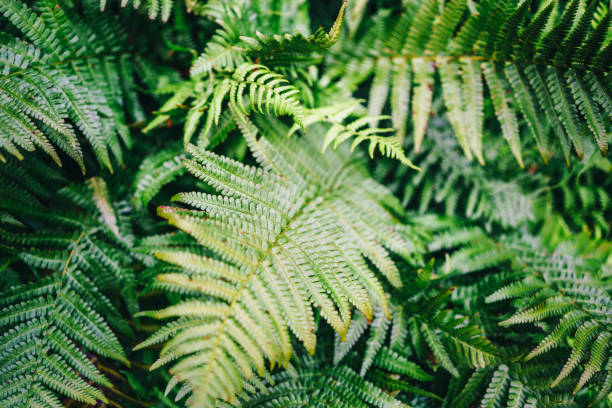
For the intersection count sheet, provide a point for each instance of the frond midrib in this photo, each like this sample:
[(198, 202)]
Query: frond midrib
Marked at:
[(254, 270), (324, 195)]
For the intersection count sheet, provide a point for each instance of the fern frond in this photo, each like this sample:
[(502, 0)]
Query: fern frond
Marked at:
[(267, 227), (511, 49), (155, 8), (156, 171), (234, 44), (563, 292), (268, 92), (383, 139), (450, 183), (55, 93), (310, 383), (251, 87), (51, 324)]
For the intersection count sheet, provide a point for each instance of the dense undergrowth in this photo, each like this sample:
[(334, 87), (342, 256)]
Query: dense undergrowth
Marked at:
[(291, 203)]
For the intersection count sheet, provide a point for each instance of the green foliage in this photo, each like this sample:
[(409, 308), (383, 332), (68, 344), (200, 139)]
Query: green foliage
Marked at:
[(155, 171), (234, 63), (313, 381), (420, 325), (79, 253), (384, 139), (568, 290), (550, 70), (155, 8), (449, 182), (290, 237), (333, 242), (65, 75)]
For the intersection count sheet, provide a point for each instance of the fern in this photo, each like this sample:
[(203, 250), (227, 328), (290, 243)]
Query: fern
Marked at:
[(284, 240), (312, 382), (263, 227), (155, 8), (422, 324), (268, 92), (449, 184), (531, 64), (512, 385), (69, 80), (250, 60), (383, 139), (154, 172), (50, 324), (567, 293), (228, 49)]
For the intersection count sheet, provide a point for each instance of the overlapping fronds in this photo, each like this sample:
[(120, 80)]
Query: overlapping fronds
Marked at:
[(50, 325), (238, 41), (568, 291), (65, 76), (549, 68), (423, 324), (451, 184), (288, 236), (290, 242), (510, 385), (582, 196), (155, 171), (241, 59), (311, 383), (263, 91), (559, 292), (384, 140)]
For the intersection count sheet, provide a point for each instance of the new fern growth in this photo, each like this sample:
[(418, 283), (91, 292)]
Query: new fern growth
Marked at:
[(249, 61)]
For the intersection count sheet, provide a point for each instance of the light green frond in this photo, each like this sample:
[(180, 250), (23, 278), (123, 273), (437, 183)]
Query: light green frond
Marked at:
[(284, 246)]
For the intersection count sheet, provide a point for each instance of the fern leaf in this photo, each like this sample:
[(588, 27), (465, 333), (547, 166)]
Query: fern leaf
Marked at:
[(565, 109), (421, 102), (526, 99), (503, 110), (472, 91), (588, 108), (395, 363), (156, 171), (53, 323), (547, 103), (496, 389), (420, 29), (282, 269), (451, 87), (438, 349), (57, 94), (379, 90), (401, 80), (445, 25), (375, 342), (357, 327)]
